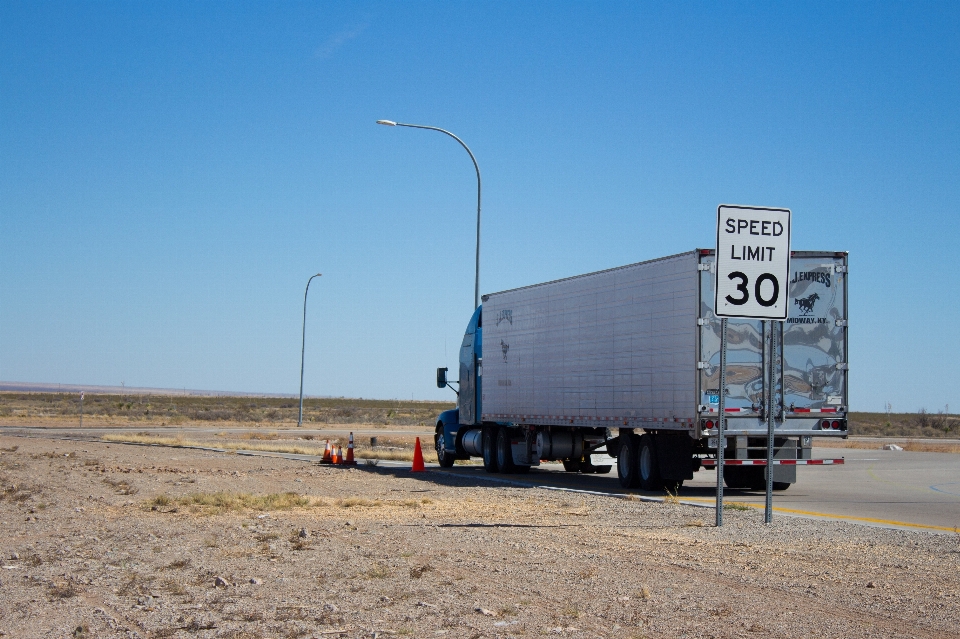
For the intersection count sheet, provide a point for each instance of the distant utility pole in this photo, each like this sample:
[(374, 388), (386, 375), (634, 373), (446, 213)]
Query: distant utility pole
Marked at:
[(81, 409)]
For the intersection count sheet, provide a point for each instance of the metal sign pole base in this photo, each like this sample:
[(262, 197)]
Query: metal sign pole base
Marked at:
[(721, 423)]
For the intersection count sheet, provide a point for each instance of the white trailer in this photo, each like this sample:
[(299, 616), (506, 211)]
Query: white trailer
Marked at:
[(637, 349)]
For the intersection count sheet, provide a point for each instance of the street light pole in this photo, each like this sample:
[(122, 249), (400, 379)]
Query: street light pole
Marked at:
[(476, 282), (303, 346)]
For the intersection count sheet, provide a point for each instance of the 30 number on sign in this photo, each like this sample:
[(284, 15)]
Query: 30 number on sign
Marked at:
[(753, 259), (757, 289)]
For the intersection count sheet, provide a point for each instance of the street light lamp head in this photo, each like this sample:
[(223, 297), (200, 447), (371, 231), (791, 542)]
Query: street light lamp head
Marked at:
[(387, 122)]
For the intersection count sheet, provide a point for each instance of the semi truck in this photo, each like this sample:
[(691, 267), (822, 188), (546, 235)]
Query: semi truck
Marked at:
[(626, 362)]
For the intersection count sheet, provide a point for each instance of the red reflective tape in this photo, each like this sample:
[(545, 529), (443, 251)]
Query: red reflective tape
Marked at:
[(709, 463), (801, 410)]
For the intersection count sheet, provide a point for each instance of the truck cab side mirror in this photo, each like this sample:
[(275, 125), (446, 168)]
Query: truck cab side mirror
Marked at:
[(442, 381), (441, 378)]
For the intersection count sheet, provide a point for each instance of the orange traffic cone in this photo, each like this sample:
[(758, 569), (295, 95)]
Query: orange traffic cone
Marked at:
[(418, 466), (327, 459), (337, 455), (350, 461)]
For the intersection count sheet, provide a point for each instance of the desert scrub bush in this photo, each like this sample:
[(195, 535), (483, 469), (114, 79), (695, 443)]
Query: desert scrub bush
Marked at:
[(15, 493), (380, 571), (418, 571), (62, 590), (121, 486), (179, 564)]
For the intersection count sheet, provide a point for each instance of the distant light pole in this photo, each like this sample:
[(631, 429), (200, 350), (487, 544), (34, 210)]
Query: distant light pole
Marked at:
[(303, 346), (476, 283)]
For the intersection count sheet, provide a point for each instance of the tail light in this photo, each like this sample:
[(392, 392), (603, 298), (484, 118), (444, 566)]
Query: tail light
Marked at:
[(707, 425)]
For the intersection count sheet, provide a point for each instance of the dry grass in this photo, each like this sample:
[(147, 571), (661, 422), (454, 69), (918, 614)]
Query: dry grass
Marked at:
[(379, 571), (361, 502), (165, 410), (260, 436), (929, 446), (396, 449), (227, 501), (145, 438)]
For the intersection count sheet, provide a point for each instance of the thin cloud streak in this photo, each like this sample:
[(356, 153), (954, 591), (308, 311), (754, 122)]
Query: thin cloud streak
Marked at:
[(334, 42)]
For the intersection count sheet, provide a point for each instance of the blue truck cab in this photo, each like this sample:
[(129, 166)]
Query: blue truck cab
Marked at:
[(452, 424)]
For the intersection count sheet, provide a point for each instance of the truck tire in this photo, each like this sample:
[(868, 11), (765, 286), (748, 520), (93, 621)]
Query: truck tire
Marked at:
[(735, 477), (505, 452), (647, 468), (757, 478), (745, 477), (781, 485), (627, 466), (571, 465), (490, 449), (445, 457)]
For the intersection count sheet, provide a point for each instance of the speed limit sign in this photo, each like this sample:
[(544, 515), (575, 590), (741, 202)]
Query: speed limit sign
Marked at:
[(753, 262)]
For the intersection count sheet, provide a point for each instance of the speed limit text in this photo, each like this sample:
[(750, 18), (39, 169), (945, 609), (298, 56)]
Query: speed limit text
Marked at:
[(740, 226)]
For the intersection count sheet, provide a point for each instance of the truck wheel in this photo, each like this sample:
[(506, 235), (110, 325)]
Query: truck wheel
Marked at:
[(627, 467), (571, 465), (445, 457), (648, 469), (505, 452), (757, 478), (490, 449), (781, 485), (734, 477)]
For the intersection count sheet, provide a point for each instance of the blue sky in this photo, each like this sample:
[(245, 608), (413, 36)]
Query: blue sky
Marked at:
[(172, 173)]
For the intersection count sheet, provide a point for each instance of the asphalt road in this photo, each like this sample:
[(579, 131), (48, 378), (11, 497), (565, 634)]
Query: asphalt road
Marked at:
[(877, 487), (919, 491)]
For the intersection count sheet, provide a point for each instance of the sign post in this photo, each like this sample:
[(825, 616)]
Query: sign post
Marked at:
[(752, 275), (721, 423)]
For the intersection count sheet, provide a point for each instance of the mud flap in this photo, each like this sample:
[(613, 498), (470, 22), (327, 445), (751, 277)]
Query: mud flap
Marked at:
[(675, 456)]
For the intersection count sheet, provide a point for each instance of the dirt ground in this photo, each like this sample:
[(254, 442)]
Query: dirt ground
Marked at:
[(117, 540)]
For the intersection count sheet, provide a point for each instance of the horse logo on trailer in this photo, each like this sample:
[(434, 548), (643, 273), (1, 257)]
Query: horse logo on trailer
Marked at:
[(806, 303)]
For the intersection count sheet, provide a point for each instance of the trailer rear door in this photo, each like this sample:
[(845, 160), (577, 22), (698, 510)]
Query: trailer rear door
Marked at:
[(815, 333)]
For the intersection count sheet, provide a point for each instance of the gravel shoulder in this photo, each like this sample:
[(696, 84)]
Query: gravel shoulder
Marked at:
[(114, 540)]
